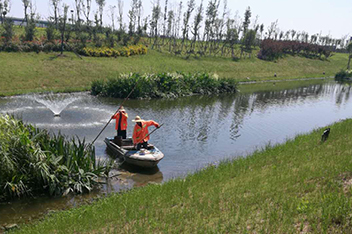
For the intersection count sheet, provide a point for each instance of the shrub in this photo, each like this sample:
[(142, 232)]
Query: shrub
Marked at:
[(50, 32), (11, 47), (271, 49), (343, 75), (162, 85), (48, 47), (8, 32), (110, 52)]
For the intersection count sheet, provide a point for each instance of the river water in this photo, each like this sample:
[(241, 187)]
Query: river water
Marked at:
[(197, 131)]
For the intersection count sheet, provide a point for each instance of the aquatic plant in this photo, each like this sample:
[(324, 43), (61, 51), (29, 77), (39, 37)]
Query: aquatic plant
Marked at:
[(163, 85), (32, 161), (343, 75)]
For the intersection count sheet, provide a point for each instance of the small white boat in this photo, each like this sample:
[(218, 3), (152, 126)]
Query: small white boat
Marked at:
[(149, 157)]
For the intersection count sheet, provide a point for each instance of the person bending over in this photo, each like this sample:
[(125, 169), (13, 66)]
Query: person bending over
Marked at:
[(140, 132)]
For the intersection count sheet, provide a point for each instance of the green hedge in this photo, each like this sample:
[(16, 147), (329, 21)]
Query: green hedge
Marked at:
[(162, 85)]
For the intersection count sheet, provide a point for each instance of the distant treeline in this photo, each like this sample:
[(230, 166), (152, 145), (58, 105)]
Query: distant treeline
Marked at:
[(185, 29)]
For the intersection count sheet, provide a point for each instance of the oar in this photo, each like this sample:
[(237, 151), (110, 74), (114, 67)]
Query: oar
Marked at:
[(116, 112), (150, 133)]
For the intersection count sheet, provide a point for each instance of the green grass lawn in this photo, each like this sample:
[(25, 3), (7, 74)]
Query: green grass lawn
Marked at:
[(31, 72), (302, 186)]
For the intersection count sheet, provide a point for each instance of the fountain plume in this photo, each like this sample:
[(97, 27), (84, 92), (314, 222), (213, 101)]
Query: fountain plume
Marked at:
[(55, 102)]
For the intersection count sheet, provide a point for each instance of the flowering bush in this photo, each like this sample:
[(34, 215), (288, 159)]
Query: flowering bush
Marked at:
[(163, 85), (111, 52)]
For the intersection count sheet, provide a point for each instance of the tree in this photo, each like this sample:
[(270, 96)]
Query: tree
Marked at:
[(120, 18), (86, 9), (4, 9), (101, 4), (196, 25), (26, 5), (210, 24), (30, 28), (247, 20), (8, 30), (55, 4), (170, 25), (231, 35), (139, 16), (249, 41), (154, 21), (78, 5), (62, 26), (272, 29), (349, 50), (187, 16), (165, 18), (112, 12), (246, 37), (132, 17)]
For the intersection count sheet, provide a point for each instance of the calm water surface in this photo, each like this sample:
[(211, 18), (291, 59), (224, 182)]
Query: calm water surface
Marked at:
[(197, 131)]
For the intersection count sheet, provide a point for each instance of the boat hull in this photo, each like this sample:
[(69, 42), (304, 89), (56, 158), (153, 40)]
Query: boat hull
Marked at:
[(146, 158)]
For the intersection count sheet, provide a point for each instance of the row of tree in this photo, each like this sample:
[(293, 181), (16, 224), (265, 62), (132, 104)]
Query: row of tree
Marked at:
[(184, 29)]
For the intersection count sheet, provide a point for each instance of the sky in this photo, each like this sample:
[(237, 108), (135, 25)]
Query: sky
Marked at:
[(328, 17)]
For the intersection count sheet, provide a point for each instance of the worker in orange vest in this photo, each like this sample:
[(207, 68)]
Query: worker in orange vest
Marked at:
[(140, 132), (121, 122)]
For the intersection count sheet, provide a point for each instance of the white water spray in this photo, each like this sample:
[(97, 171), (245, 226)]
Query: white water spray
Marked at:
[(55, 102)]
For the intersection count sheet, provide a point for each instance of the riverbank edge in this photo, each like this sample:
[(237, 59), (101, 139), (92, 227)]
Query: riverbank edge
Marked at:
[(30, 72), (302, 185), (88, 89)]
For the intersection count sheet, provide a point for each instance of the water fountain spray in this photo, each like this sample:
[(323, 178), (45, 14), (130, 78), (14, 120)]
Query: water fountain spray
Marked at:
[(55, 102)]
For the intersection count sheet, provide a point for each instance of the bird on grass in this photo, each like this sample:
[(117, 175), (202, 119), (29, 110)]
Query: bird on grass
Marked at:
[(325, 135)]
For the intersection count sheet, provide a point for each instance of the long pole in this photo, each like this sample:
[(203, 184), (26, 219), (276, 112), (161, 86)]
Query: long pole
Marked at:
[(115, 112), (150, 133)]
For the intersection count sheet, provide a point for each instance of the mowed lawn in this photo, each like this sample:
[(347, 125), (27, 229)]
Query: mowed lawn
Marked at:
[(31, 72), (301, 186)]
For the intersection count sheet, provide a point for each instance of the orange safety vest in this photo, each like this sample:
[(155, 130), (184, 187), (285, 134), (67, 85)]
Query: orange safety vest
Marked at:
[(141, 132), (123, 120)]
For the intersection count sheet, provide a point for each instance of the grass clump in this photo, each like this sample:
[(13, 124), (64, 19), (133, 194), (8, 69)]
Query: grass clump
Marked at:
[(34, 162), (162, 85)]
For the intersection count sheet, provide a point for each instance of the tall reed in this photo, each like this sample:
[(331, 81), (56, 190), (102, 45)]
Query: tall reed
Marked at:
[(32, 161)]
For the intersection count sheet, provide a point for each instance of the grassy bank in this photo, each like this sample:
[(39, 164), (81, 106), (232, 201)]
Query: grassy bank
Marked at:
[(31, 72), (300, 186)]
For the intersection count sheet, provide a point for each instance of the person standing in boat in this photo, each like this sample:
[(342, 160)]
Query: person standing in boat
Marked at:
[(121, 122), (140, 132)]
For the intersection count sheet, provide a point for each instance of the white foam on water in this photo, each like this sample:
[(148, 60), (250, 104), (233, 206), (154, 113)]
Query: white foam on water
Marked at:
[(68, 125), (16, 109), (92, 109)]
